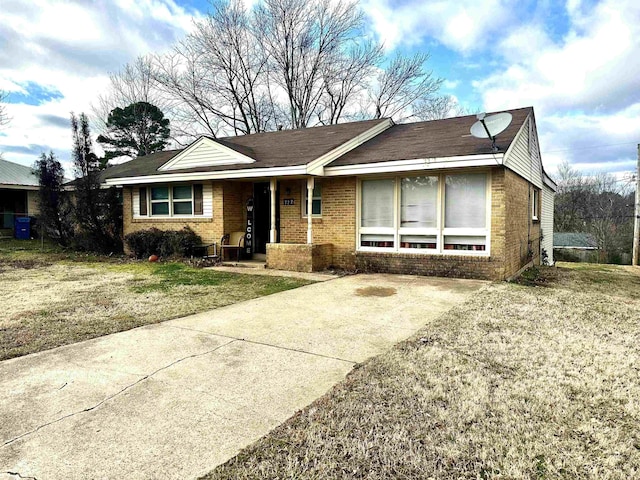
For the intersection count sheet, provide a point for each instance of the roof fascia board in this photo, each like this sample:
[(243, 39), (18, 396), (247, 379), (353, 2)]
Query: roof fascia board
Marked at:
[(548, 181), (196, 176), (316, 167), (416, 164), (240, 158), (14, 186)]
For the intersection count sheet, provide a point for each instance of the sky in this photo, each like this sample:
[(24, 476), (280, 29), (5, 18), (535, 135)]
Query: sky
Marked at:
[(577, 62)]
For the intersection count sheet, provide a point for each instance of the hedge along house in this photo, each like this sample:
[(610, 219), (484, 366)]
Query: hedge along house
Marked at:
[(423, 198)]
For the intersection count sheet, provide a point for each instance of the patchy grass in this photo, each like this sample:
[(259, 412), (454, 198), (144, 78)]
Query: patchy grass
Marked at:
[(53, 297), (536, 380)]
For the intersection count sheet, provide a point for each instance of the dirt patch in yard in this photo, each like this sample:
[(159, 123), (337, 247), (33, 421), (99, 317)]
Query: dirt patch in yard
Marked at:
[(527, 381), (376, 292), (48, 305)]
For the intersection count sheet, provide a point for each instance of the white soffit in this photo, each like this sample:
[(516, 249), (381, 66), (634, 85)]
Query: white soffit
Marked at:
[(205, 152)]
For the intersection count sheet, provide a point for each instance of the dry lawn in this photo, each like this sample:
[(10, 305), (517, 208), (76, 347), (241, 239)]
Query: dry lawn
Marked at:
[(525, 381), (51, 299)]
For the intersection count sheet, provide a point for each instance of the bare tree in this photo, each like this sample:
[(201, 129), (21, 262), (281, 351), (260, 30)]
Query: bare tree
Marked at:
[(4, 117), (302, 40), (345, 79), (598, 204), (282, 63), (237, 67), (134, 83), (400, 84), (437, 107)]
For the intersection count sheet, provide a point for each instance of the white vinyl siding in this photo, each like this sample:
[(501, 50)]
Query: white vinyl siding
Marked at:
[(205, 152), (207, 203), (546, 222), (523, 156)]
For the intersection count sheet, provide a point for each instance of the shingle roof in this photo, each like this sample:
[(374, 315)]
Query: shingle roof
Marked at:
[(436, 138), (272, 149), (16, 174), (574, 239)]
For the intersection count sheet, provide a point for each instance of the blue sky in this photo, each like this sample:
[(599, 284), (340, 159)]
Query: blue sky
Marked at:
[(577, 62)]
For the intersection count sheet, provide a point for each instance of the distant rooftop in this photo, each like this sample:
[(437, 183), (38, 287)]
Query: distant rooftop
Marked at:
[(574, 240), (16, 174)]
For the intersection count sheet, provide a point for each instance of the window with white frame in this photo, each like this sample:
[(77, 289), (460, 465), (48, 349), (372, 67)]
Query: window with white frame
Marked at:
[(169, 201), (465, 212), (428, 213), (377, 219), (535, 204), (316, 205)]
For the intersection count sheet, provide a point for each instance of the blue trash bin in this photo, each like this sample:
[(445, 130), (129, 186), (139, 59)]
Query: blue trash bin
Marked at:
[(22, 228)]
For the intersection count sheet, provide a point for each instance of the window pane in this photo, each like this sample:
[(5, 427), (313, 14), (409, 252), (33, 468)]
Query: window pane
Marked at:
[(377, 203), (160, 208), (419, 196), (182, 192), (465, 201), (418, 241), (316, 207), (452, 242), (376, 240), (182, 208), (160, 193)]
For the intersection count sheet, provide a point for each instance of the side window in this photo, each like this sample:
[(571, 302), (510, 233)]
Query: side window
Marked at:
[(316, 206)]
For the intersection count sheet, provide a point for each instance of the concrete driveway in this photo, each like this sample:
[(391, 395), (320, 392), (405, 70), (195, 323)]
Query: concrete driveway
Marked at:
[(175, 399)]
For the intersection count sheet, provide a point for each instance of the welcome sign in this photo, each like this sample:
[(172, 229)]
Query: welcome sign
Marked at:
[(248, 237)]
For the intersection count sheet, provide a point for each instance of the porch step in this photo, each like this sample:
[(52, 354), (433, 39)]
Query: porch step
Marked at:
[(246, 264)]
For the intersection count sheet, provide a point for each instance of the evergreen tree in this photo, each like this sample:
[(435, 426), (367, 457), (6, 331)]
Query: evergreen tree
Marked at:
[(134, 131), (95, 209), (55, 209)]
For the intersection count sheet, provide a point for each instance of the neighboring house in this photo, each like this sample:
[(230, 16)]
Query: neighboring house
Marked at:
[(424, 198), (575, 247), (18, 193)]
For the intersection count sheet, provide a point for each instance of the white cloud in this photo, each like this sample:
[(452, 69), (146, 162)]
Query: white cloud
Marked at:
[(69, 47), (464, 25), (585, 85)]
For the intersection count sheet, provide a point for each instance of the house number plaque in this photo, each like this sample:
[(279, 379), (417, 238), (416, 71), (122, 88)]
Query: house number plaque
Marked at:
[(288, 201)]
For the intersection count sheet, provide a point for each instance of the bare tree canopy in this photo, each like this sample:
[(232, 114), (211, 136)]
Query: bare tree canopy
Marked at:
[(598, 204), (4, 117), (278, 64)]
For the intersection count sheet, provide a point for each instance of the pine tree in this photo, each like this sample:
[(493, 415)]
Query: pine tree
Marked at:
[(134, 131)]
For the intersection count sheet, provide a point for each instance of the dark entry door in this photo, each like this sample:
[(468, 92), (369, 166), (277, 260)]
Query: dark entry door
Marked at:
[(262, 217)]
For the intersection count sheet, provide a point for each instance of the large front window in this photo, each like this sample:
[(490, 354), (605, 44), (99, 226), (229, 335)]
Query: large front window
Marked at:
[(428, 213)]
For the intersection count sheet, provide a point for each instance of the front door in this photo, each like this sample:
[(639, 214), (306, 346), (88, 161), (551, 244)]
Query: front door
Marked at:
[(262, 216)]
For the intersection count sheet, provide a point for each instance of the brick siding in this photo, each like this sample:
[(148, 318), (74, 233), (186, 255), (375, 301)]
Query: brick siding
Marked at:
[(299, 257), (337, 226)]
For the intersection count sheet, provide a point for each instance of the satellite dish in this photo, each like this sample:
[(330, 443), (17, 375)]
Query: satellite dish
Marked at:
[(490, 126)]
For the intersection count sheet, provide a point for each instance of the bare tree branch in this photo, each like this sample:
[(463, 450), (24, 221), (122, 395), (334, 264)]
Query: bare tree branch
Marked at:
[(401, 83), (4, 116)]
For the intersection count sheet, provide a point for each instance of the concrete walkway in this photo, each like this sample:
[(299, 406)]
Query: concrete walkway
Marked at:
[(175, 399)]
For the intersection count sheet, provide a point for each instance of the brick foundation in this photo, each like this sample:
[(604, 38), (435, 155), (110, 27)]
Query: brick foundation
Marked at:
[(458, 266), (299, 257)]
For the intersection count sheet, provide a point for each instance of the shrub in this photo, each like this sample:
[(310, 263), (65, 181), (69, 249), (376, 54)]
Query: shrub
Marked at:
[(162, 243)]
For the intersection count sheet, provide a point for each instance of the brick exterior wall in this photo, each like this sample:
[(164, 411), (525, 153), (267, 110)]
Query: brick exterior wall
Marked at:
[(299, 257), (522, 233), (513, 232), (210, 229), (337, 226)]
